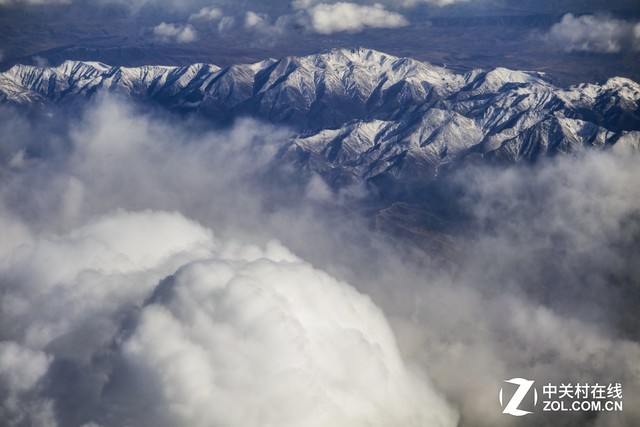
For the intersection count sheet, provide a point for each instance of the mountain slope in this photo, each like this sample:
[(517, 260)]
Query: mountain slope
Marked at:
[(361, 113)]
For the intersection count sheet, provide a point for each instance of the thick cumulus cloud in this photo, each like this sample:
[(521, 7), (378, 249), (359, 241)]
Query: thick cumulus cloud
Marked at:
[(234, 335), (37, 308), (62, 297), (120, 306), (101, 305), (262, 338), (595, 33), (351, 17)]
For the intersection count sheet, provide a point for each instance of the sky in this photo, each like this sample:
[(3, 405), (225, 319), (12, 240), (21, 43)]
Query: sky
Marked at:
[(576, 41)]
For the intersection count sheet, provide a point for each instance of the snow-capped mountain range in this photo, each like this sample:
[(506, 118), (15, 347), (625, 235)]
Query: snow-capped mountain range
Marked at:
[(361, 113)]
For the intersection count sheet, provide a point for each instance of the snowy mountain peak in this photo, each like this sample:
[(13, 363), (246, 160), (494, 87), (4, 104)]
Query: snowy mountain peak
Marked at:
[(71, 68), (364, 113), (359, 55)]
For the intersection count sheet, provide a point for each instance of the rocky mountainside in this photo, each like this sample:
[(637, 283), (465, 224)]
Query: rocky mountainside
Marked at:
[(364, 114)]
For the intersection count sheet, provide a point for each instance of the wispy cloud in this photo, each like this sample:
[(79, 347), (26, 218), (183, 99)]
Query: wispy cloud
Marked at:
[(209, 13), (140, 282)]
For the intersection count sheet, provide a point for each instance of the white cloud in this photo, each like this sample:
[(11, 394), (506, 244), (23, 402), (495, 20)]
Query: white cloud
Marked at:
[(307, 4), (554, 237), (444, 2), (237, 335), (21, 367), (317, 189), (226, 23), (267, 336), (328, 18), (252, 19), (440, 3), (40, 61), (85, 303), (67, 289), (209, 13), (264, 30), (594, 33), (298, 347), (175, 32)]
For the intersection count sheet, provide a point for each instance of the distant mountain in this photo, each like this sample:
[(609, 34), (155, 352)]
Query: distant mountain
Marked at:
[(363, 114)]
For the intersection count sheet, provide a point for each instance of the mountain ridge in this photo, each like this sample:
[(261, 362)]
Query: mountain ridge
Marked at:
[(363, 113)]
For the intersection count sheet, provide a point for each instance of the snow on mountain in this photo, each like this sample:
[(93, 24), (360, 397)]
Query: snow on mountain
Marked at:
[(362, 113)]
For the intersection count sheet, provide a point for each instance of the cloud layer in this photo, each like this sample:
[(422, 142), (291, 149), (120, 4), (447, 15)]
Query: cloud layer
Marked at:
[(163, 318), (277, 18), (551, 273), (234, 335), (119, 304)]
